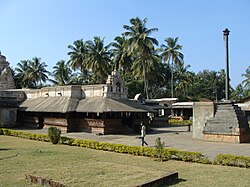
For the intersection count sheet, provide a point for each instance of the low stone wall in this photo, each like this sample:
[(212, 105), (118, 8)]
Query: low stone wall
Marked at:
[(167, 179), (226, 138), (202, 111), (60, 123)]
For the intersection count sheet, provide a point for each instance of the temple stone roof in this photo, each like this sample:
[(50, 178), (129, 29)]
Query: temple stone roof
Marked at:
[(6, 79)]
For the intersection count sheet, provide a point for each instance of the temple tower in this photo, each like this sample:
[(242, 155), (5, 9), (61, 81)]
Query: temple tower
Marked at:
[(6, 79)]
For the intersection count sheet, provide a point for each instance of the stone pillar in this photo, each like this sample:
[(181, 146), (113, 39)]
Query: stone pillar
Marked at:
[(202, 111)]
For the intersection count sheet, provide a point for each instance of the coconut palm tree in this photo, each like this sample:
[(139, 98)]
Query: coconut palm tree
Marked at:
[(78, 55), (171, 51), (183, 77), (62, 73), (246, 81), (37, 72), (21, 76), (98, 59), (121, 58), (140, 45)]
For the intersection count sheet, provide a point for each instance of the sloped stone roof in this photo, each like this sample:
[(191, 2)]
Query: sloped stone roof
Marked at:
[(49, 104), (92, 104), (104, 104)]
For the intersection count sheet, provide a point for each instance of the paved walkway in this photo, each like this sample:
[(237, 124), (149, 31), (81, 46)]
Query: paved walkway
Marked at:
[(174, 137)]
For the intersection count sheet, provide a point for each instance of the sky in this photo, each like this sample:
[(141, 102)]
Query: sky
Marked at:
[(45, 28)]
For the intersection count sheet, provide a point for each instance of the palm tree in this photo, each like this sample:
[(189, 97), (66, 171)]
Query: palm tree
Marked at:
[(171, 51), (246, 82), (140, 45), (183, 77), (37, 72), (78, 54), (22, 70), (122, 60), (32, 72), (98, 59), (62, 73)]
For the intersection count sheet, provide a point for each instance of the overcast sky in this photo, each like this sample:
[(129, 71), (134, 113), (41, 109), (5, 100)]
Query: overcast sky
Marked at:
[(44, 28)]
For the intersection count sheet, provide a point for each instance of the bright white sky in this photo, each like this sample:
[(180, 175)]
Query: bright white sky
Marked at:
[(44, 28)]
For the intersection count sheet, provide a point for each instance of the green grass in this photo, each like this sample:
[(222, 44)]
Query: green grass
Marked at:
[(76, 166)]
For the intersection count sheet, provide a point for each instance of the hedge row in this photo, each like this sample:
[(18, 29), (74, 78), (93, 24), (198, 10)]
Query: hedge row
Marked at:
[(26, 135), (167, 154), (232, 160), (180, 122)]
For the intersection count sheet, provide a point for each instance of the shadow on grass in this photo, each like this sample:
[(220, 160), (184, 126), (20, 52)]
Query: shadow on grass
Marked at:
[(4, 149), (174, 182), (9, 157)]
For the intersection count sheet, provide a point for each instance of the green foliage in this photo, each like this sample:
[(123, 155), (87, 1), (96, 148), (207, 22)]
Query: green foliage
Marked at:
[(159, 146), (179, 122), (239, 93), (26, 135), (232, 160), (134, 87), (31, 73), (54, 134)]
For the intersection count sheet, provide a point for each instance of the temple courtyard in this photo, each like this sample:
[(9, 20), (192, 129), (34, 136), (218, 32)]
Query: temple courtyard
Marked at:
[(77, 166), (174, 136)]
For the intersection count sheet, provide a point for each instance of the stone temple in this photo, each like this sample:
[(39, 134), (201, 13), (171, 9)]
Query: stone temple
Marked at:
[(10, 99), (6, 79), (101, 108)]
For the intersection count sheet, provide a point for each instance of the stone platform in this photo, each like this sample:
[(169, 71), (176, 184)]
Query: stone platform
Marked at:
[(228, 125)]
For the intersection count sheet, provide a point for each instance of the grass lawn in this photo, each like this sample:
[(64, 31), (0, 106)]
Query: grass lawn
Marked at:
[(76, 166)]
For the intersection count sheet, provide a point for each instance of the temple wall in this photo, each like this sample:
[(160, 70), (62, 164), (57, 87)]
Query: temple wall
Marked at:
[(8, 117), (65, 91), (202, 111)]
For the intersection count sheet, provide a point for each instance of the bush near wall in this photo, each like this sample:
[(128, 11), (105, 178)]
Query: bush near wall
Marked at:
[(179, 122), (232, 160), (167, 154), (26, 135)]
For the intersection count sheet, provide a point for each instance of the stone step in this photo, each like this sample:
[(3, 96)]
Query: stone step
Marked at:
[(227, 119)]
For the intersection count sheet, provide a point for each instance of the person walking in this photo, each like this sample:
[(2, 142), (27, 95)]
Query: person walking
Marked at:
[(143, 134)]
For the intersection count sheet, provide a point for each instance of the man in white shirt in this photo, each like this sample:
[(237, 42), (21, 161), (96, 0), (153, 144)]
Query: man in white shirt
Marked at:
[(143, 134)]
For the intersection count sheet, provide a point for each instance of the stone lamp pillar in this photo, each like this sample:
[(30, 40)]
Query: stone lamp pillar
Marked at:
[(226, 33)]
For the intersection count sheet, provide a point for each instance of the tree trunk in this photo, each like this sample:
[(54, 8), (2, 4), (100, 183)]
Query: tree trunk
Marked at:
[(144, 80), (172, 78)]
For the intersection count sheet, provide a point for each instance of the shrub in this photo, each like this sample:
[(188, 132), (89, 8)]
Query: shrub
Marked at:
[(159, 148), (54, 134), (232, 160)]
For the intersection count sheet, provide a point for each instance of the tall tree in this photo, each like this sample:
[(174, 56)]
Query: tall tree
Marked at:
[(37, 72), (32, 72), (246, 81), (62, 73), (98, 59), (140, 45), (78, 55), (171, 51), (121, 59), (239, 93), (21, 76), (183, 78)]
